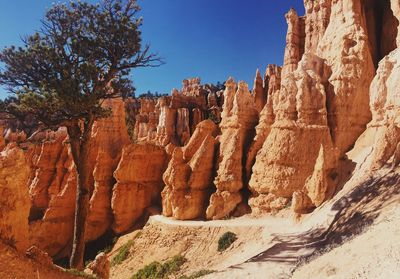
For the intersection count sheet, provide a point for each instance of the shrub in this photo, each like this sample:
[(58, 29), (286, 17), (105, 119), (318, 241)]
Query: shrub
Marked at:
[(122, 254), (226, 240), (156, 270)]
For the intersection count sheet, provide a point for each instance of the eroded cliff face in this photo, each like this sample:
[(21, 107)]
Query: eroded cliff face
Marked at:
[(188, 178), (206, 153), (51, 180), (381, 140), (300, 128), (14, 198), (239, 117), (139, 183)]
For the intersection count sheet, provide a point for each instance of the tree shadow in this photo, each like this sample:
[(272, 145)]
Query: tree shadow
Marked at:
[(353, 213)]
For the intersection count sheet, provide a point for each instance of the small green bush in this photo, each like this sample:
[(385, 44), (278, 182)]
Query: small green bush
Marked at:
[(122, 254), (155, 270), (226, 240)]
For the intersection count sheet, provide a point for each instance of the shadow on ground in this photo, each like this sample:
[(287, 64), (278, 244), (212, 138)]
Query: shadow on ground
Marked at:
[(352, 214)]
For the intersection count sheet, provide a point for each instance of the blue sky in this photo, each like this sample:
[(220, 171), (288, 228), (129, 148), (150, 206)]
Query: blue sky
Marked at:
[(212, 39)]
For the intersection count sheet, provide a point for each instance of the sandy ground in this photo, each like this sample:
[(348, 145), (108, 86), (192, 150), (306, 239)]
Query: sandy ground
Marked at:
[(372, 254)]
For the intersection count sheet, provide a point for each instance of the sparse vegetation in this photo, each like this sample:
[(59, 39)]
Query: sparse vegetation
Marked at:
[(76, 272), (156, 270), (197, 274), (122, 254), (226, 240)]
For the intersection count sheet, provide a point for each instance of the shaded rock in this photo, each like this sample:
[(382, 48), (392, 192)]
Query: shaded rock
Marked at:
[(100, 267), (138, 183), (2, 141), (348, 53), (14, 198), (188, 177), (382, 136), (259, 92), (52, 185), (39, 256), (272, 83), (222, 204), (239, 117)]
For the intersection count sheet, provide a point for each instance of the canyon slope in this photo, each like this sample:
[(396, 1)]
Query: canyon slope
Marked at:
[(310, 154)]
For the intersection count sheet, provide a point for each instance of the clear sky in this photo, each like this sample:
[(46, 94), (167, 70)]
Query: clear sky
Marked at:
[(211, 39)]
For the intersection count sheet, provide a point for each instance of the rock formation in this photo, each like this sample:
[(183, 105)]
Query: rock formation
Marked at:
[(272, 84), (289, 153), (14, 198), (52, 185), (283, 142), (259, 92), (100, 267), (188, 178), (139, 183), (382, 136), (239, 117), (173, 119), (347, 52), (39, 256)]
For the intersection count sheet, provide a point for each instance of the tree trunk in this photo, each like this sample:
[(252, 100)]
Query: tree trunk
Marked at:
[(80, 153)]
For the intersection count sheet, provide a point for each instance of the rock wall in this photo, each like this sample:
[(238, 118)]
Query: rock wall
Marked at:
[(2, 141), (289, 153), (272, 84), (346, 49)]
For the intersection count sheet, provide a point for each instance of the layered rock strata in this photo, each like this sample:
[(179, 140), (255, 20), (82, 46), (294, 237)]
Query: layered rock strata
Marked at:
[(138, 183), (188, 178), (239, 117), (52, 183), (300, 128)]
